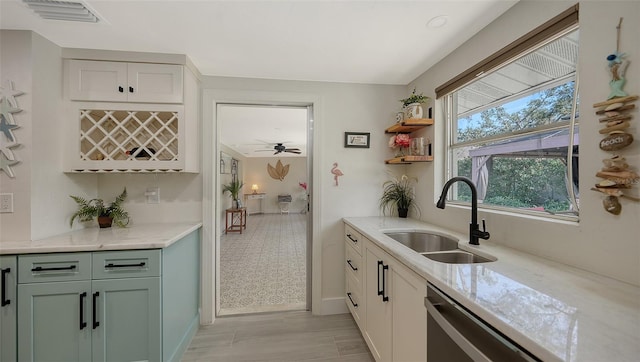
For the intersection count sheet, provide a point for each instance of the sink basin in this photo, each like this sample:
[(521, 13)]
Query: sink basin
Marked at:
[(423, 242), (457, 257)]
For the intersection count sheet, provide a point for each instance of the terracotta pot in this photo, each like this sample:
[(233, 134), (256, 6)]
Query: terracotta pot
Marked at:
[(403, 212), (105, 221)]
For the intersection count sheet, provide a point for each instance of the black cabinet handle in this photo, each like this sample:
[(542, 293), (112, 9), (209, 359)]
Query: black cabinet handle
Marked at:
[(355, 305), (83, 324), (380, 290), (95, 310), (5, 301), (352, 239), (385, 297), (120, 89), (111, 265), (351, 265), (130, 89), (39, 268)]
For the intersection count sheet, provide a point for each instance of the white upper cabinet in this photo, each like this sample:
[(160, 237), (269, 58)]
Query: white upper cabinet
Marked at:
[(125, 82)]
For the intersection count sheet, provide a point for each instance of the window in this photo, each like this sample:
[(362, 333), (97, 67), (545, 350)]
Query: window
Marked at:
[(513, 129)]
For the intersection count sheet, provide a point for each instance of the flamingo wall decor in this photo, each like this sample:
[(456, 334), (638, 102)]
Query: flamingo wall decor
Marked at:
[(336, 172)]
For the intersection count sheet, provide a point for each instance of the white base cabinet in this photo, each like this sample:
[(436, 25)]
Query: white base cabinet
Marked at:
[(394, 322)]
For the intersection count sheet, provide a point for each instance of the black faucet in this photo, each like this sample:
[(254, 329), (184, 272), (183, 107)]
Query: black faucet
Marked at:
[(474, 228)]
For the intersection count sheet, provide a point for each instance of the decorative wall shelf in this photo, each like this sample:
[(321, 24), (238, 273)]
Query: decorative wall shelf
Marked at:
[(409, 125), (406, 160)]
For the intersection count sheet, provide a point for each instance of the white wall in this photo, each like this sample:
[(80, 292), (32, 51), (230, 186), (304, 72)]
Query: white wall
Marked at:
[(256, 173), (42, 206), (601, 242), (337, 108)]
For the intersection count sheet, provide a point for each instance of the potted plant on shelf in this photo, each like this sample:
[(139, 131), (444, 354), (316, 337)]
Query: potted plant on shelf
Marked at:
[(90, 209), (412, 105), (398, 194), (233, 188)]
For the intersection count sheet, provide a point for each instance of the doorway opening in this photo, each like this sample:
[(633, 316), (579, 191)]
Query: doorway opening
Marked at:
[(264, 249)]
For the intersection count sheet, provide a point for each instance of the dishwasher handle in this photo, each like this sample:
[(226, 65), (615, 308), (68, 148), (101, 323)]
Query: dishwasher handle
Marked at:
[(459, 339)]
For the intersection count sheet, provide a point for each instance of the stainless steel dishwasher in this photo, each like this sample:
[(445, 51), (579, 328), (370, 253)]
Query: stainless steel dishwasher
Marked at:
[(454, 334)]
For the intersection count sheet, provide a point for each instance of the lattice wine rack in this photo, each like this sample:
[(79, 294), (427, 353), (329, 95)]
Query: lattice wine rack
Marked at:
[(129, 140)]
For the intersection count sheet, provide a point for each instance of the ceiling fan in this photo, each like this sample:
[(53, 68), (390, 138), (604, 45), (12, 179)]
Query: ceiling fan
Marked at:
[(279, 147)]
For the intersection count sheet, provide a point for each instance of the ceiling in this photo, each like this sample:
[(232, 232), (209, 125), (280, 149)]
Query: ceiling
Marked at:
[(374, 42), (253, 131)]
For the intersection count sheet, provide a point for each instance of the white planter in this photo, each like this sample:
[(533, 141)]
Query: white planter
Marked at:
[(413, 110)]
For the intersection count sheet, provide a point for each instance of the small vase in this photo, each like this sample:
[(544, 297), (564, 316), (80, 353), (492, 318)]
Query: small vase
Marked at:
[(403, 213), (105, 221)]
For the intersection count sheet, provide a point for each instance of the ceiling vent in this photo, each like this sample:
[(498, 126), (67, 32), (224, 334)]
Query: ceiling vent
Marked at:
[(62, 10)]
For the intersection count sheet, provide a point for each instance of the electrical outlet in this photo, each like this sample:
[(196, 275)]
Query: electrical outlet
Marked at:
[(6, 202), (153, 195)]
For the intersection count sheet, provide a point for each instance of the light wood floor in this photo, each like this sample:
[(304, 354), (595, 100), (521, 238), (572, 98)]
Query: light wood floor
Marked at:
[(288, 336)]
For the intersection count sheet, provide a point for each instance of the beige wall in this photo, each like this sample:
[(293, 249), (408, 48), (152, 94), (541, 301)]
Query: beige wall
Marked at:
[(601, 242), (42, 206), (256, 173)]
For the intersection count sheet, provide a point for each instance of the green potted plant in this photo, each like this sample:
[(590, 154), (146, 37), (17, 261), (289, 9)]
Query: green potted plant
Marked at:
[(412, 105), (414, 98), (233, 188), (95, 208), (398, 194)]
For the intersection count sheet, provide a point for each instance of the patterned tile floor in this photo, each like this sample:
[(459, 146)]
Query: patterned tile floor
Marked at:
[(264, 268)]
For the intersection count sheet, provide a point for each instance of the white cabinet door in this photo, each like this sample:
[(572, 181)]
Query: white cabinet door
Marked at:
[(160, 83), (125, 82), (409, 315), (378, 310), (97, 81)]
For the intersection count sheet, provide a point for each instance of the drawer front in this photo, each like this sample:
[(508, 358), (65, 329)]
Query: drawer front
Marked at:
[(126, 264), (56, 267), (353, 266), (355, 302), (353, 238)]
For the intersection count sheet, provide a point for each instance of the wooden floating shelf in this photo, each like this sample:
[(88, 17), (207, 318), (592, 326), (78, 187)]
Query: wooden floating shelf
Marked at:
[(405, 160), (409, 125)]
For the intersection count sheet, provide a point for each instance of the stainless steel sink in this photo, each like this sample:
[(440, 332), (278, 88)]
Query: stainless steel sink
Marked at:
[(457, 257), (423, 242)]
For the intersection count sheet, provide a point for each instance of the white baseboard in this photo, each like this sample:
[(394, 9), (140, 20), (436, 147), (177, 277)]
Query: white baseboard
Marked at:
[(332, 306)]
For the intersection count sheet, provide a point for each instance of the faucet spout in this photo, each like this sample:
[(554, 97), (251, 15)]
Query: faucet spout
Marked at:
[(474, 229)]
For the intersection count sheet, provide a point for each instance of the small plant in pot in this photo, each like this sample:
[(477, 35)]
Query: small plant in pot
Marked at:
[(106, 215), (413, 105), (234, 188), (398, 194)]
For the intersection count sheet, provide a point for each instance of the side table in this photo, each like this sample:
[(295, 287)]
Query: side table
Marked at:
[(235, 220)]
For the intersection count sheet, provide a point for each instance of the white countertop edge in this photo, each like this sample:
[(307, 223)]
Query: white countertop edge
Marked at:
[(147, 236), (374, 228)]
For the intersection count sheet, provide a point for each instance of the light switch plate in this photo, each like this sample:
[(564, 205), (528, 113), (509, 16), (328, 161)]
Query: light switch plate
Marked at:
[(6, 202), (153, 195)]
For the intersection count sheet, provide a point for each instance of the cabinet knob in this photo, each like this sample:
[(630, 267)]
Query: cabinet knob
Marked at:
[(130, 89), (120, 89)]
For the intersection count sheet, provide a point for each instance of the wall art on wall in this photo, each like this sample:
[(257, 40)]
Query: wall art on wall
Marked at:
[(617, 177), (356, 139), (8, 141), (336, 172), (278, 172)]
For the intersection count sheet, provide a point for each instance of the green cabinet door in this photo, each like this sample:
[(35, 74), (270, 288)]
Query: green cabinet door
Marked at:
[(50, 321), (129, 320), (8, 327)]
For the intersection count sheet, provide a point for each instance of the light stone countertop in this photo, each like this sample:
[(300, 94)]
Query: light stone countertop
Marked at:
[(557, 312), (144, 236)]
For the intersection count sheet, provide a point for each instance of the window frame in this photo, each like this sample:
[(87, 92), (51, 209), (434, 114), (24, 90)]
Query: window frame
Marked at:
[(559, 26)]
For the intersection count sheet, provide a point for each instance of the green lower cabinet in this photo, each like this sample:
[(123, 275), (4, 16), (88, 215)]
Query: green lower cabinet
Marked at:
[(8, 306), (129, 317), (51, 321)]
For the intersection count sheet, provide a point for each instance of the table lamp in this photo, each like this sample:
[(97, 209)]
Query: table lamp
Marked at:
[(254, 187)]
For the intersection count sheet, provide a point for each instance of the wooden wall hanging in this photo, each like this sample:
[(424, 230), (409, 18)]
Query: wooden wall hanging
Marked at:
[(617, 177), (278, 172)]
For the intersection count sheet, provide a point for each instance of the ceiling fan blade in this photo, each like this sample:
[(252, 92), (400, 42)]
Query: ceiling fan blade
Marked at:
[(293, 151)]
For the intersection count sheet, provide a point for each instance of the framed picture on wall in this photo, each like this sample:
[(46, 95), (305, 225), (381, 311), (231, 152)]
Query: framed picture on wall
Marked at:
[(225, 163), (356, 139)]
